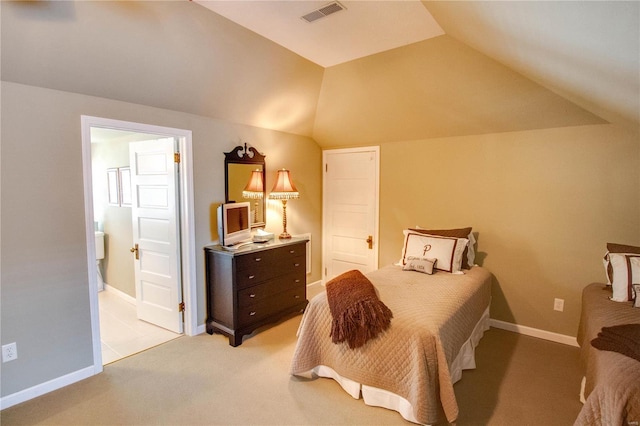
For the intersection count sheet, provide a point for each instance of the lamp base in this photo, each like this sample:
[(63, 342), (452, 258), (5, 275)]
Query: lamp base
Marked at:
[(285, 235)]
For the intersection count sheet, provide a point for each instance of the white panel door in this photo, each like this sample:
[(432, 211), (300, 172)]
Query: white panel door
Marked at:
[(350, 219), (154, 210)]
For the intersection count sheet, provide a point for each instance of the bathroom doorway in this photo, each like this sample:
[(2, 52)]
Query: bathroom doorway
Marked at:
[(117, 332)]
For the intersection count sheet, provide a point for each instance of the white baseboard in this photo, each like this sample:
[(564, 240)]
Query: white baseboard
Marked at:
[(60, 382), (119, 293), (46, 387), (314, 283), (534, 332), (503, 325)]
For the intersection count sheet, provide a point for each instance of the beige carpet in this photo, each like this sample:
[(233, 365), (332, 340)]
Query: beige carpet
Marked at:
[(202, 380)]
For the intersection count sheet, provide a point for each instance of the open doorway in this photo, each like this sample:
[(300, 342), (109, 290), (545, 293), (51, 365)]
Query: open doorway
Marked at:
[(116, 329), (123, 330)]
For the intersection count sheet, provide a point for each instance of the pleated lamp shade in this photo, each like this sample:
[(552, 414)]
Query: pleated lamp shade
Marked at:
[(255, 187), (283, 189)]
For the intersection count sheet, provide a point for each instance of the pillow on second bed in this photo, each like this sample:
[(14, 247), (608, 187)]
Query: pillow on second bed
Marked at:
[(622, 268), (447, 251), (626, 273)]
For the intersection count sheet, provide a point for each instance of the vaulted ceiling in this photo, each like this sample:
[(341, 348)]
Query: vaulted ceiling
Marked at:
[(585, 51), (375, 72)]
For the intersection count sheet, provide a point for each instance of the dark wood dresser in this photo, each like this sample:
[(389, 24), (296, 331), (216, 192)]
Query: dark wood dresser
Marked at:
[(253, 286)]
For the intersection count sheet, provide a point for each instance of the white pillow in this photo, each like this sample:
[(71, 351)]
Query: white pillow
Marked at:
[(607, 264), (446, 250), (616, 248), (471, 252), (626, 272), (636, 289), (419, 264)]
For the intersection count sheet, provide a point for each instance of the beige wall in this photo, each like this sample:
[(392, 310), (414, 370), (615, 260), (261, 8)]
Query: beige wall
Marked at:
[(544, 183), (466, 141), (170, 64), (544, 204), (45, 293)]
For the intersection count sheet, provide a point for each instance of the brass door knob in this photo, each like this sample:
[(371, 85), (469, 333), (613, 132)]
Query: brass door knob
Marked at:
[(134, 249)]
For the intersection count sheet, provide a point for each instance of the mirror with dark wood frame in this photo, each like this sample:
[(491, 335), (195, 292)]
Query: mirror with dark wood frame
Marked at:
[(244, 178)]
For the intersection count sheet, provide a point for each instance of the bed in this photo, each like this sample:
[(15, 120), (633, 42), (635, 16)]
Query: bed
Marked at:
[(411, 367), (611, 387)]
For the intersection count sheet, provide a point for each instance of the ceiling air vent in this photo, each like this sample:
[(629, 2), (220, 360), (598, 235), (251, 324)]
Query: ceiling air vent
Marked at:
[(323, 11)]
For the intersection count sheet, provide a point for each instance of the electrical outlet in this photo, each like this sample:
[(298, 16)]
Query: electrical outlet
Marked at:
[(558, 305), (9, 352)]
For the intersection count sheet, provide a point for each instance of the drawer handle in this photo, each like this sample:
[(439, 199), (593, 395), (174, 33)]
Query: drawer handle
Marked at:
[(297, 281), (258, 259), (252, 295), (251, 277), (296, 264), (292, 251), (252, 313), (297, 297)]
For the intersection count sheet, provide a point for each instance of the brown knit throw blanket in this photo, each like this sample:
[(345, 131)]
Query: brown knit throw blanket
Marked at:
[(358, 314), (624, 339)]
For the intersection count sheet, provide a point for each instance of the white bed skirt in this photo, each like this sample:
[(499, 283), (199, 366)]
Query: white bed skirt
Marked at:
[(465, 360)]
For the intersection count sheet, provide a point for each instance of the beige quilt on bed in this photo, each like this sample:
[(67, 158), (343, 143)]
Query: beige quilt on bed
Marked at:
[(433, 316), (612, 386)]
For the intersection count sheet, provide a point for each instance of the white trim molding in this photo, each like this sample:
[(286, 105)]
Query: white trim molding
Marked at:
[(46, 387), (319, 282), (534, 332), (121, 294), (187, 221)]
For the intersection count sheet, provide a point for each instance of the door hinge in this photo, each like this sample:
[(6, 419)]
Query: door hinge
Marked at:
[(176, 157), (181, 307)]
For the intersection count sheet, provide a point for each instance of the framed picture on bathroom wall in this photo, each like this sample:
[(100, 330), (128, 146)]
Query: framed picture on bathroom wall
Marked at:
[(124, 175), (113, 187)]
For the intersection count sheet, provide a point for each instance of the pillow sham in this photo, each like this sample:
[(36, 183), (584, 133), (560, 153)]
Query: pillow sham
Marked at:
[(446, 250), (419, 264), (616, 248), (626, 272), (469, 255)]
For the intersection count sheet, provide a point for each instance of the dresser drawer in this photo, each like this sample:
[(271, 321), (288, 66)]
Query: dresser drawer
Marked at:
[(261, 258), (272, 269), (271, 305), (254, 286), (270, 288)]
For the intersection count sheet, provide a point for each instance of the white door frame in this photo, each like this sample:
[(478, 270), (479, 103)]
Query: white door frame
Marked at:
[(325, 215), (187, 222)]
